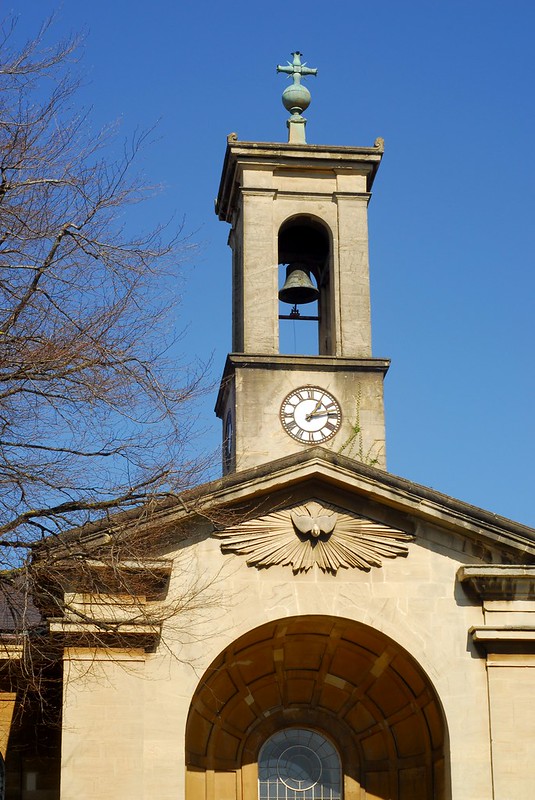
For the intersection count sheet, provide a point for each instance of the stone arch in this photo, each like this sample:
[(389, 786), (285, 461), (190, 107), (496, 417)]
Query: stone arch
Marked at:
[(305, 239), (337, 676)]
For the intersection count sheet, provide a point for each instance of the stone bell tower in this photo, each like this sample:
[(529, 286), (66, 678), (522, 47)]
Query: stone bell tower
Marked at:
[(304, 208)]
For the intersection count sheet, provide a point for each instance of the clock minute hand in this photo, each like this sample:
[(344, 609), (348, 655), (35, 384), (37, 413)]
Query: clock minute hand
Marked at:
[(314, 410)]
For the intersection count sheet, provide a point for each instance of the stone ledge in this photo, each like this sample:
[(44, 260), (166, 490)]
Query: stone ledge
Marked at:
[(499, 581), (283, 361), (296, 363), (502, 634), (11, 651), (90, 634)]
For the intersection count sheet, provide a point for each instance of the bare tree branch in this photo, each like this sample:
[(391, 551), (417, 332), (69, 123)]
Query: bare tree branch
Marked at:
[(94, 417)]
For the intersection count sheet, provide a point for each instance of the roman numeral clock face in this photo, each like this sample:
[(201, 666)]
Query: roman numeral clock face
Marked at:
[(310, 415)]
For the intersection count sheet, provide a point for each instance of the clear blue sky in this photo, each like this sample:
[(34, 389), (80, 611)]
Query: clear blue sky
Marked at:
[(450, 87)]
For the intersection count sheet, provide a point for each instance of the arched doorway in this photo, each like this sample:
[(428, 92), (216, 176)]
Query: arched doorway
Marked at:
[(350, 683)]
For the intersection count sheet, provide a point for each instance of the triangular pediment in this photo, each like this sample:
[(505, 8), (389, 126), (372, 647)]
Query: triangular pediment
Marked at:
[(358, 491), (353, 489)]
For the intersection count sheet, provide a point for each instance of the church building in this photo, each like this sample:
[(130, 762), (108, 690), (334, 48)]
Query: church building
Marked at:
[(346, 634)]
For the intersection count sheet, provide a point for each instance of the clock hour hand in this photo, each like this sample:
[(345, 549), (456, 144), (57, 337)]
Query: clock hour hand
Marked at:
[(323, 413)]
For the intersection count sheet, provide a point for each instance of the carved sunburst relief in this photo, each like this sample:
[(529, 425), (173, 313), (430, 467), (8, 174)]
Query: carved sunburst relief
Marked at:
[(314, 534)]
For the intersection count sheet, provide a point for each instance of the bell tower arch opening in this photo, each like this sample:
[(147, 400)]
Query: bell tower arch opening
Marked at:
[(304, 257), (337, 680)]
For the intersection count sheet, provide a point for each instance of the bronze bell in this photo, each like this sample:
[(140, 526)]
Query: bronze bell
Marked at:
[(298, 288)]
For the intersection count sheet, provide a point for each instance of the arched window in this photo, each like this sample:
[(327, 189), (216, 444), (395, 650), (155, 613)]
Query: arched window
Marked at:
[(299, 764)]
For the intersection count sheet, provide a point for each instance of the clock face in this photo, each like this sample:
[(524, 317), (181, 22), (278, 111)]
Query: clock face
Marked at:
[(310, 415)]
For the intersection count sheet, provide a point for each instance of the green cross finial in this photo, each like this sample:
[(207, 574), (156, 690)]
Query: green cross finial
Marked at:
[(296, 68), (296, 98)]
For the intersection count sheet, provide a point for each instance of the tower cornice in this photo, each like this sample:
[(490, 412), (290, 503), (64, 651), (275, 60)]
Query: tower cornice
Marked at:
[(291, 156), (296, 364)]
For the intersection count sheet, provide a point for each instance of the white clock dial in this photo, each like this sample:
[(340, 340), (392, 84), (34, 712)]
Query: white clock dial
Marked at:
[(310, 415)]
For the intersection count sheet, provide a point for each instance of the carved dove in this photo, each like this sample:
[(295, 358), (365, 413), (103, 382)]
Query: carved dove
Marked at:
[(349, 540), (314, 525)]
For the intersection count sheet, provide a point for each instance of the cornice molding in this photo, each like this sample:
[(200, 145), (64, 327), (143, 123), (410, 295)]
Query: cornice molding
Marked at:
[(499, 581)]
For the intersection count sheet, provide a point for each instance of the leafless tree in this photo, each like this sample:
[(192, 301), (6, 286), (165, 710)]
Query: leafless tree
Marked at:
[(95, 420)]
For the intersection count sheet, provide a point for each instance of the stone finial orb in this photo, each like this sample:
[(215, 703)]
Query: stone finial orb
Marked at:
[(296, 98)]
